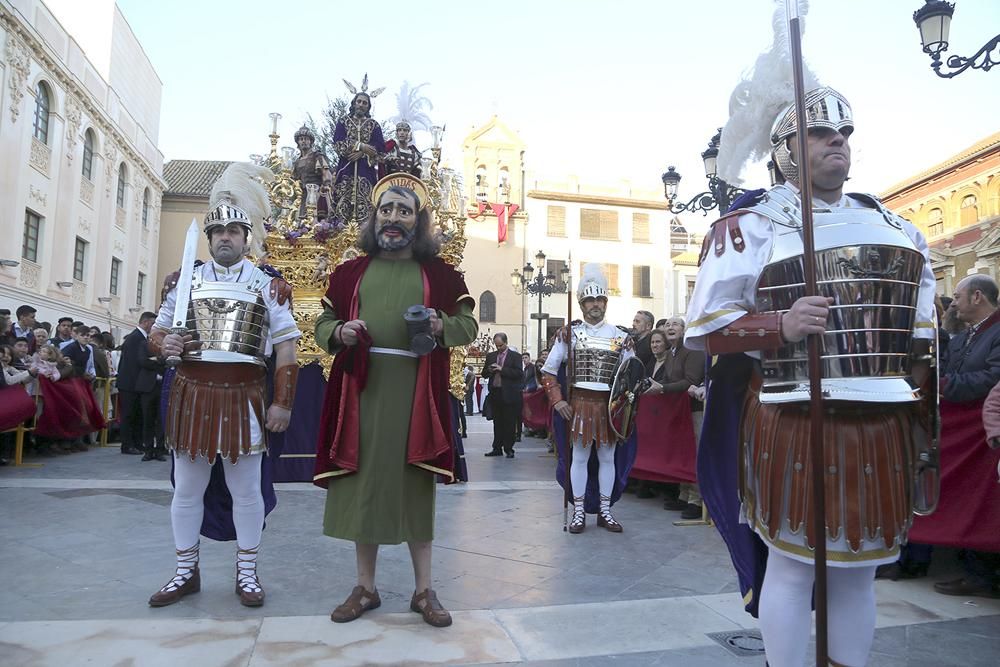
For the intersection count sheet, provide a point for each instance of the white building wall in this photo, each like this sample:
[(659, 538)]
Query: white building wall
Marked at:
[(623, 252), (47, 178)]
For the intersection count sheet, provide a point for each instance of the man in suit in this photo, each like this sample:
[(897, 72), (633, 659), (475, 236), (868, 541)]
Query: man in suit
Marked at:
[(504, 372), (138, 393)]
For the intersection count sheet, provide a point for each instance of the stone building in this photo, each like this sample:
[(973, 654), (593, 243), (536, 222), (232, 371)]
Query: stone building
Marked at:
[(80, 182), (956, 204)]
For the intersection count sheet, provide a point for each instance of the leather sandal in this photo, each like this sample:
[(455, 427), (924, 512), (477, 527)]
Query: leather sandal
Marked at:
[(186, 579), (247, 584), (356, 604), (431, 610), (578, 523), (605, 520)]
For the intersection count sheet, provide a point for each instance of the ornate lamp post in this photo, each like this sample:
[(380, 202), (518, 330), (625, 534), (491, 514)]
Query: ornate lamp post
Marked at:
[(934, 22), (527, 281), (719, 195)]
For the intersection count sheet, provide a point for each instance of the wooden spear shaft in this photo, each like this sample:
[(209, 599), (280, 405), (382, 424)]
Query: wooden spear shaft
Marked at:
[(568, 458), (813, 341)]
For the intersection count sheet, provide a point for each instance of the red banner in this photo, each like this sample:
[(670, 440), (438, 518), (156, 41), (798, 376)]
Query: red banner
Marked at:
[(16, 406), (535, 410), (968, 514), (69, 409), (503, 213), (666, 450)]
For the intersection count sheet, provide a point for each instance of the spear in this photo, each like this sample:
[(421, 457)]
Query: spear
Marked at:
[(568, 459), (813, 341)]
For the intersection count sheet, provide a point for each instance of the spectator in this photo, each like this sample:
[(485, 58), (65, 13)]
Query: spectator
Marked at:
[(642, 325), (660, 323), (46, 362), (41, 337), (64, 331), (139, 394), (12, 373), (469, 377), (25, 325), (22, 358), (685, 369), (966, 516), (6, 337), (79, 352)]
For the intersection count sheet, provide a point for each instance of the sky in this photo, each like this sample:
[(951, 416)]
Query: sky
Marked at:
[(606, 90)]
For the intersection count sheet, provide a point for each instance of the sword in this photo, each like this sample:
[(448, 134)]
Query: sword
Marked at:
[(183, 300)]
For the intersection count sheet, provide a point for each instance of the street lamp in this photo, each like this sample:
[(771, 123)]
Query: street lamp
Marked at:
[(64, 283), (719, 195), (9, 262), (934, 22), (527, 281)]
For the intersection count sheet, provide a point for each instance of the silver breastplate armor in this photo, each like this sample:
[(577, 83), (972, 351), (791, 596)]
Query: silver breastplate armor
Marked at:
[(595, 359), (230, 319), (872, 269)]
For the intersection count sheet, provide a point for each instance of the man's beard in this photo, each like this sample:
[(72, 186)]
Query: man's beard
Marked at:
[(390, 244)]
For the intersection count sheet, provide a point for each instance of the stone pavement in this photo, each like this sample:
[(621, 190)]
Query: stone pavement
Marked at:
[(86, 540)]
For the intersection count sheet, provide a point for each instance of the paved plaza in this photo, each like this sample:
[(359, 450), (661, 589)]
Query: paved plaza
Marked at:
[(86, 540)]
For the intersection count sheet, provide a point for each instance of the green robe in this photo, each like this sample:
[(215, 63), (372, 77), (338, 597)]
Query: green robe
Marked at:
[(387, 501)]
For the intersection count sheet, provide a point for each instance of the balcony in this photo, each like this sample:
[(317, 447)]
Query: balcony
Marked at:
[(41, 156)]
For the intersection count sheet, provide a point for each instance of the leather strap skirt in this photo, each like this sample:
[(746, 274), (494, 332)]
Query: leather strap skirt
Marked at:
[(868, 466), (210, 407), (590, 418)]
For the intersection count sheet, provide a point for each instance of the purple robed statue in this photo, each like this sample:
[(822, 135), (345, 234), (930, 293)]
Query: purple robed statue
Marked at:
[(357, 138)]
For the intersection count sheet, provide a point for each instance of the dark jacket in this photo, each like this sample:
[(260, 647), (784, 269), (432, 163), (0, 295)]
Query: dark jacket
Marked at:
[(78, 356), (683, 369), (973, 366), (529, 382), (512, 375), (136, 370)]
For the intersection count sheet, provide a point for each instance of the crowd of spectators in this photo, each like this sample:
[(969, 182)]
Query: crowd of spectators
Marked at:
[(44, 361)]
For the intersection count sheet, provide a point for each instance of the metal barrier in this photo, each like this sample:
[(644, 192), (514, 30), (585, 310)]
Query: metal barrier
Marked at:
[(19, 433), (109, 400)]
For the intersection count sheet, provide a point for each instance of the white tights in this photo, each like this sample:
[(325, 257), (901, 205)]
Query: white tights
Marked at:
[(578, 470), (786, 617), (188, 506)]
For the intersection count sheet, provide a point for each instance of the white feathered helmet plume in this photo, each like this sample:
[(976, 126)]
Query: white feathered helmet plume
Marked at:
[(758, 100), (239, 196), (410, 108), (593, 283)]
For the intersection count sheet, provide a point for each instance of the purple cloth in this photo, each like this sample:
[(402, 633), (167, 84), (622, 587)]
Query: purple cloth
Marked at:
[(293, 452), (624, 458), (461, 469), (719, 470)]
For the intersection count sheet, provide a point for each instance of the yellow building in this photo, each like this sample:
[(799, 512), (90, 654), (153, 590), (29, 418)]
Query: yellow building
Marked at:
[(956, 204), (627, 229), (189, 183)]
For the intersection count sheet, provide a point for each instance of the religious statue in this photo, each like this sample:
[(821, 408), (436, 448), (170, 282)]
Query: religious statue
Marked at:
[(313, 167), (400, 154), (358, 141)]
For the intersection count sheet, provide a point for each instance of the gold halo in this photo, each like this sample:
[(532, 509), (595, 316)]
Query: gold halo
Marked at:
[(402, 180)]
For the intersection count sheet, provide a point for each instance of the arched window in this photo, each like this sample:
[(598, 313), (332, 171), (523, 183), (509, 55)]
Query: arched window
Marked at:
[(88, 155), (970, 210), (41, 126), (935, 222), (503, 188), (121, 186), (487, 307), (145, 208)]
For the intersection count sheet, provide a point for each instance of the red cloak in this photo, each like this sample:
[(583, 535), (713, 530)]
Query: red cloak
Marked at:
[(429, 444), (69, 409)]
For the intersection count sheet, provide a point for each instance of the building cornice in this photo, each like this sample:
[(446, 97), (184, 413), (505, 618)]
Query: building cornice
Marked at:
[(18, 30), (597, 199), (971, 154)]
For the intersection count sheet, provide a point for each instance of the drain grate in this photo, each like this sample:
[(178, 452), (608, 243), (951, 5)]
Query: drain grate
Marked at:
[(741, 643)]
